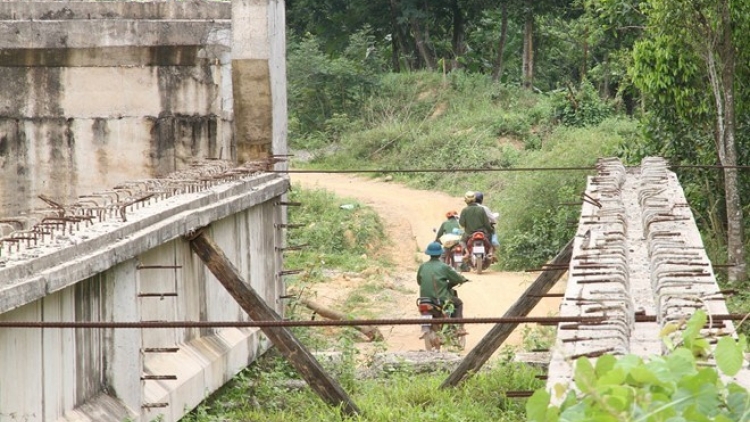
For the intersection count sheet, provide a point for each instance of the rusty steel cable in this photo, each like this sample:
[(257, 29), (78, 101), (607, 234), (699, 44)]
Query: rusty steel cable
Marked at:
[(290, 323), (489, 169), (588, 320)]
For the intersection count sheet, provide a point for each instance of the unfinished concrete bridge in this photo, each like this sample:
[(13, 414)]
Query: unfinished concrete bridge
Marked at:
[(125, 126)]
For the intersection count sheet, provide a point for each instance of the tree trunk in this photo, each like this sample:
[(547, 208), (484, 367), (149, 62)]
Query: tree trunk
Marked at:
[(372, 333), (720, 61), (735, 236), (497, 72), (584, 65), (528, 47), (459, 43), (424, 54), (398, 40)]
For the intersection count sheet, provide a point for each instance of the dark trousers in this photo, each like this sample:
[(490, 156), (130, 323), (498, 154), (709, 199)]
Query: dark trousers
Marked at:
[(458, 308)]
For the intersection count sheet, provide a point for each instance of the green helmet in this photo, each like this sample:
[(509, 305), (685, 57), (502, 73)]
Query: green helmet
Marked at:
[(434, 249)]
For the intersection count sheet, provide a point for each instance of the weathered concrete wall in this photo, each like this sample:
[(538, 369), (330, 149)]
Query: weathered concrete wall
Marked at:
[(114, 95), (110, 271), (96, 93), (259, 77)]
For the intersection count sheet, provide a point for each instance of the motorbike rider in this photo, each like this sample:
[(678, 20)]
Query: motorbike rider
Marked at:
[(436, 280), (479, 198), (473, 218), (450, 225)]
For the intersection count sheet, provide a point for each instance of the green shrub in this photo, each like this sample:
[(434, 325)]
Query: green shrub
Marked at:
[(580, 107), (678, 386), (346, 238), (534, 224)]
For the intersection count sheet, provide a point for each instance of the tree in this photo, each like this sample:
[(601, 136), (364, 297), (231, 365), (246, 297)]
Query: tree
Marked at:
[(694, 40)]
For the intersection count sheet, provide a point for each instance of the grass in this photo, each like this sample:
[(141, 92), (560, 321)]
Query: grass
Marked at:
[(339, 233), (257, 394)]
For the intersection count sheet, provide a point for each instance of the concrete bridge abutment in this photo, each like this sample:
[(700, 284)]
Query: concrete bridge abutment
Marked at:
[(139, 122)]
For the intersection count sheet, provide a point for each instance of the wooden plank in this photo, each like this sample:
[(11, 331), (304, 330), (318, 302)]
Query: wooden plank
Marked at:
[(302, 360), (371, 332), (500, 332)]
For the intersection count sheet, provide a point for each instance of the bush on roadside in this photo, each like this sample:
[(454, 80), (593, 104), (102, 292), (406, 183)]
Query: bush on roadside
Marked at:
[(534, 222), (340, 233)]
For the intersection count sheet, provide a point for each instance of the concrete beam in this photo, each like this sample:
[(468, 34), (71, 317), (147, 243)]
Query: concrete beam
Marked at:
[(109, 33), (89, 10), (27, 280)]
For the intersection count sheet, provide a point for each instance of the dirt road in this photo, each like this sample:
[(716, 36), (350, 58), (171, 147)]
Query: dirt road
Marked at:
[(410, 216)]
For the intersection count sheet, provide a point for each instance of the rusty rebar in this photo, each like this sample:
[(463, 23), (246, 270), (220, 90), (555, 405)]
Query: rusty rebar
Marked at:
[(289, 323)]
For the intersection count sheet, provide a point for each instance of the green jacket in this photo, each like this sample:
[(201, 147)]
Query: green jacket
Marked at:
[(473, 218), (436, 279), (447, 227)]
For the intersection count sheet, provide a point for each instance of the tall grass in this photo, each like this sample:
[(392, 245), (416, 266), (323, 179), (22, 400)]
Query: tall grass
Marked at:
[(339, 233), (258, 394)]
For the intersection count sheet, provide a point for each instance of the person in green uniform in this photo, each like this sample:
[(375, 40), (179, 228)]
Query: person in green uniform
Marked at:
[(473, 218), (450, 225), (437, 280)]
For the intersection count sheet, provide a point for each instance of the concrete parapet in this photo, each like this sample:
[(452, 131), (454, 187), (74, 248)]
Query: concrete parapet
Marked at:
[(130, 265)]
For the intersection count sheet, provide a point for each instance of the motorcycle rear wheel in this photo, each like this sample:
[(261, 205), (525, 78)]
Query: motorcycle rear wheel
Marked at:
[(431, 342), (478, 264)]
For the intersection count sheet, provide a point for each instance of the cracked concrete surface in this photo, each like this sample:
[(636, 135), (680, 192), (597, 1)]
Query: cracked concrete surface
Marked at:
[(637, 251)]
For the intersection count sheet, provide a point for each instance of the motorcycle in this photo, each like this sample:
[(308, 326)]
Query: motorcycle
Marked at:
[(454, 256), (478, 249), (438, 335), (453, 251)]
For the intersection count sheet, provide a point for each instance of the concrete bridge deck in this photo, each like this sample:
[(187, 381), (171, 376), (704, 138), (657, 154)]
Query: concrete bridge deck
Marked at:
[(637, 251)]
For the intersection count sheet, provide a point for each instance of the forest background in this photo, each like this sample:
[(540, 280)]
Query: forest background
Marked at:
[(394, 84)]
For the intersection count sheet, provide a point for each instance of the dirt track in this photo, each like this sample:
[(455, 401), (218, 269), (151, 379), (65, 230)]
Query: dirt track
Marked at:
[(410, 216)]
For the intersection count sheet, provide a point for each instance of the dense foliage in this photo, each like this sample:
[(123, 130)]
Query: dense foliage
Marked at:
[(678, 386), (587, 61)]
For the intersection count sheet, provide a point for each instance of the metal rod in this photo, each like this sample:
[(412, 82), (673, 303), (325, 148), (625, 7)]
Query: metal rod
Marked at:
[(154, 405), (161, 350), (287, 323), (158, 377), (289, 226), (293, 248), (519, 393), (156, 267)]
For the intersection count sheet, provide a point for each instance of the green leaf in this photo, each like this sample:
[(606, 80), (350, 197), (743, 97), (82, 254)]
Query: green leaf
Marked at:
[(693, 328), (585, 377), (645, 375), (699, 390), (537, 406), (616, 376), (738, 402), (680, 363), (605, 364), (694, 415), (619, 398), (729, 356)]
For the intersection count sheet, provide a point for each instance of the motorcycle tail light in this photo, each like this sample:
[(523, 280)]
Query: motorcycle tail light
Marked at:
[(425, 307)]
